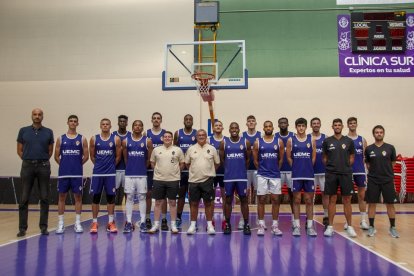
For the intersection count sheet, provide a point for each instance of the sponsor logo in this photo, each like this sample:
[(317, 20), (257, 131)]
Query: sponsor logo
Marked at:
[(135, 153), (343, 22), (410, 21), (358, 151), (269, 155), (344, 42), (372, 154), (235, 155), (71, 152), (104, 152), (301, 154)]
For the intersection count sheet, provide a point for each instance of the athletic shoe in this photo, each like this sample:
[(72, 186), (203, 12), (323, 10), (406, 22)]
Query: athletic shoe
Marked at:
[(78, 228), (111, 228), (154, 229), (329, 231), (148, 223), (311, 232), (276, 231), (178, 222), (371, 231), (60, 229), (364, 225), (325, 221), (174, 230), (191, 230), (261, 230), (393, 232), (21, 233), (164, 225), (128, 228), (351, 232), (241, 225), (223, 225), (211, 230), (296, 231), (94, 228), (346, 226), (246, 229), (258, 224), (227, 229), (143, 227), (44, 232)]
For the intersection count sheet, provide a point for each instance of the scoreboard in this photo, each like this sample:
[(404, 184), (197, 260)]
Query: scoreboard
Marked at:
[(378, 32)]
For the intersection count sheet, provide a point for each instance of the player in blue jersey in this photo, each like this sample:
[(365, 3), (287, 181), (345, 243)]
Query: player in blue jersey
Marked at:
[(267, 155), (122, 133), (251, 134), (71, 152), (105, 152), (301, 154), (235, 155), (137, 149), (286, 170), (184, 138), (215, 141), (319, 166), (155, 134), (358, 169)]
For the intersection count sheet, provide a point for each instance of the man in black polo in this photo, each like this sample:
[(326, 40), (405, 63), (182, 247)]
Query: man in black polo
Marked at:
[(338, 156), (35, 147), (380, 159)]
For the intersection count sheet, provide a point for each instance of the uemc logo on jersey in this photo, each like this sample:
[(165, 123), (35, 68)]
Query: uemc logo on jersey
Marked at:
[(319, 150), (136, 153), (235, 155), (105, 152), (71, 152), (301, 154), (358, 151), (269, 155)]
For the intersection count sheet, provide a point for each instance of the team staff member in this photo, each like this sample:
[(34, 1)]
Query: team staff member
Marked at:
[(202, 161), (167, 162), (35, 147), (380, 159), (338, 156)]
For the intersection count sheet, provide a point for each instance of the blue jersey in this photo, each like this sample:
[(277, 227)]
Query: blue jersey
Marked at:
[(137, 156), (216, 144), (319, 166), (252, 139), (268, 158), (185, 140), (105, 156), (156, 138), (302, 167), (121, 164), (358, 166), (71, 155), (285, 165), (235, 160)]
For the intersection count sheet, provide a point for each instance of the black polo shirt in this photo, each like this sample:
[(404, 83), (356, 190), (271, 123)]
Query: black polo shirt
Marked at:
[(35, 142), (338, 152), (380, 163)]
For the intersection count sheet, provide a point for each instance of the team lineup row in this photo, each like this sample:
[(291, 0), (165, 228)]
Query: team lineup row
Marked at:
[(161, 165)]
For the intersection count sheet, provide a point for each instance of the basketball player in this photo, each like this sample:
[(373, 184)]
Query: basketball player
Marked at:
[(251, 134), (286, 169), (105, 152), (338, 156), (184, 138), (319, 166), (202, 160), (267, 155), (137, 149), (155, 134), (380, 159), (71, 152), (301, 154), (122, 133), (234, 154), (167, 162), (215, 141), (358, 169)]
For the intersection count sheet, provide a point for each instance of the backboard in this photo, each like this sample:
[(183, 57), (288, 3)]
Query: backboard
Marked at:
[(226, 60)]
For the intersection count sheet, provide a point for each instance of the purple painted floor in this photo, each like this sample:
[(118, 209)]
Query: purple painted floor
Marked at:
[(197, 255)]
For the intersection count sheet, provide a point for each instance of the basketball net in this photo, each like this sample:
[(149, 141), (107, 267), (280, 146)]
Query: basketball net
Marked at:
[(203, 81)]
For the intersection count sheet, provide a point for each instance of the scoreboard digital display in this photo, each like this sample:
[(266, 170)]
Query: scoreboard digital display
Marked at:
[(376, 32)]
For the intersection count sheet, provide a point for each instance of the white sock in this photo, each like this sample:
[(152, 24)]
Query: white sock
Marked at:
[(363, 215), (142, 206), (110, 218), (94, 220), (193, 223), (275, 223), (309, 223), (60, 219), (77, 218), (173, 224), (325, 212), (209, 223), (261, 222), (293, 217), (297, 223), (129, 206), (241, 220), (156, 223)]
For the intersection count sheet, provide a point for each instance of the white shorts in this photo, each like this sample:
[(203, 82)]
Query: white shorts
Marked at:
[(252, 179), (135, 185), (268, 186), (320, 181), (119, 179), (286, 178)]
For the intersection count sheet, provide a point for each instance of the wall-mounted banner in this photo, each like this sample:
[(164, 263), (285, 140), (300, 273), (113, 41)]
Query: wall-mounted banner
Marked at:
[(372, 2), (374, 64)]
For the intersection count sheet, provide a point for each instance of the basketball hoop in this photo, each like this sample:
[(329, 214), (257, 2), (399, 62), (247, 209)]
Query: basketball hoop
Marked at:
[(203, 81)]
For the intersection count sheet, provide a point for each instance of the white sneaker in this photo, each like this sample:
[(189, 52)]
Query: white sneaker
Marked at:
[(258, 224), (154, 229), (351, 232), (191, 230), (371, 231), (60, 229), (364, 225), (329, 231), (78, 228), (241, 225), (296, 231), (211, 230), (276, 231), (261, 230), (311, 232), (174, 229)]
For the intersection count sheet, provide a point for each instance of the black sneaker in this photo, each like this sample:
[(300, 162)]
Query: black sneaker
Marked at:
[(246, 229), (21, 233), (164, 225), (227, 229), (44, 232), (325, 222), (148, 223)]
